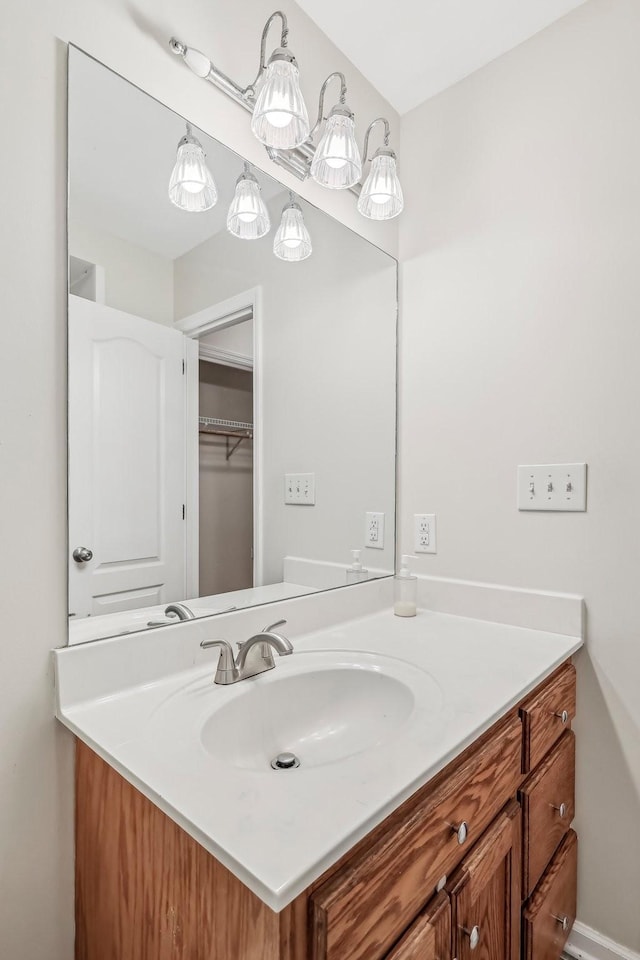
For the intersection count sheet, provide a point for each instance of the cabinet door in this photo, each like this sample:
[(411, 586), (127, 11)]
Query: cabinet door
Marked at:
[(429, 936), (485, 893)]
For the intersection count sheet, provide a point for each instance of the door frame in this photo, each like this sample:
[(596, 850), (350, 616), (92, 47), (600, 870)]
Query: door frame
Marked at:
[(237, 309)]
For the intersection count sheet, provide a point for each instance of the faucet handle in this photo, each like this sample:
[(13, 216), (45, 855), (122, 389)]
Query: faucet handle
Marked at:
[(227, 671), (278, 623)]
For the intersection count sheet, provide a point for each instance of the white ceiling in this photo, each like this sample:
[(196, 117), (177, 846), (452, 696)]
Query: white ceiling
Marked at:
[(122, 148), (412, 49)]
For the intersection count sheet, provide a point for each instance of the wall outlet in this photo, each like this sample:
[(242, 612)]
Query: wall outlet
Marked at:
[(300, 488), (374, 531), (553, 486), (424, 533)]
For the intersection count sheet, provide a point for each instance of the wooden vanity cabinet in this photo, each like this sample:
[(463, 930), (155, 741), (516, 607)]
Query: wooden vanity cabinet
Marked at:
[(477, 865)]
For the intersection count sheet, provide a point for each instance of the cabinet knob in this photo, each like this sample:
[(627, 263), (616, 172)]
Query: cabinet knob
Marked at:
[(561, 808), (461, 831), (563, 715), (563, 921), (474, 936)]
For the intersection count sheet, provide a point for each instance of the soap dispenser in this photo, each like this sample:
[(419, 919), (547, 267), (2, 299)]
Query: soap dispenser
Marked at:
[(356, 573), (405, 603)]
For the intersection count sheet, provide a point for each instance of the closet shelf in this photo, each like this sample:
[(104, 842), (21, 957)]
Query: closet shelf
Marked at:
[(226, 428)]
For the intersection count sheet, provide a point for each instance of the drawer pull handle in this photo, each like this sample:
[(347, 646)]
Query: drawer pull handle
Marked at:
[(474, 936), (563, 715), (563, 921), (561, 808), (461, 831)]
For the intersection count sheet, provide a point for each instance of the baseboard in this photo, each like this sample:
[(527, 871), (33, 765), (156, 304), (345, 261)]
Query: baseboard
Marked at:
[(587, 944)]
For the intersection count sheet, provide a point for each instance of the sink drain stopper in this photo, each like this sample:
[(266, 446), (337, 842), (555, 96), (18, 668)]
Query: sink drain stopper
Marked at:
[(285, 761)]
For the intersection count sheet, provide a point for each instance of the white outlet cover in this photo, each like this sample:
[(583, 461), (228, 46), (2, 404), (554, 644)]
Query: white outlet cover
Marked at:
[(374, 531), (424, 533), (553, 486)]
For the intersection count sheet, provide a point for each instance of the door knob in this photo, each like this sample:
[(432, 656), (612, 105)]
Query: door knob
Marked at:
[(563, 921), (82, 554)]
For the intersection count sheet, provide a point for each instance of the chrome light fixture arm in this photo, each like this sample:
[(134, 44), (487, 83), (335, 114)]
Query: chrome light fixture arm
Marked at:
[(336, 75), (284, 36), (203, 67), (200, 64), (387, 136)]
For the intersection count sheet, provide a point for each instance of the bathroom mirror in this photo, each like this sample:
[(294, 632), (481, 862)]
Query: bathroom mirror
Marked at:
[(232, 414)]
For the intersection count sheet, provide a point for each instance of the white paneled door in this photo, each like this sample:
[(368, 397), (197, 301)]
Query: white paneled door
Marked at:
[(126, 461)]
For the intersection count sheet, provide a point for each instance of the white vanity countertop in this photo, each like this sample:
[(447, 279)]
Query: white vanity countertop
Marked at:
[(279, 831)]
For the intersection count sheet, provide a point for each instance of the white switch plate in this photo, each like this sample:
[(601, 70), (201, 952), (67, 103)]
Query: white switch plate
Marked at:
[(424, 533), (374, 531), (553, 486), (300, 488)]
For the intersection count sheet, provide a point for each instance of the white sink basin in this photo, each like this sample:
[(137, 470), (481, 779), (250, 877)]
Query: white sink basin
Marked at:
[(322, 707)]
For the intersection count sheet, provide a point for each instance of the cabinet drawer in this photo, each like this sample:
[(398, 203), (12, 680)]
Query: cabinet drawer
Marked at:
[(548, 807), (551, 911), (547, 714), (428, 937), (360, 912)]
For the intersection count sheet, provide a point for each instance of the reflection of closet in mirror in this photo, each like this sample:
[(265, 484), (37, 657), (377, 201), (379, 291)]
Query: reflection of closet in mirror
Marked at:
[(226, 459)]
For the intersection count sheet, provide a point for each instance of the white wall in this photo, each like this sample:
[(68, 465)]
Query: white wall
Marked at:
[(36, 789), (137, 280), (327, 375), (520, 343)]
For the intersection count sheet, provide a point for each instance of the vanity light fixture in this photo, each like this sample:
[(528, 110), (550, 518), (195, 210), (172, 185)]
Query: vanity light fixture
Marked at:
[(280, 118), (248, 217), (381, 197), (292, 241), (192, 187), (280, 121), (336, 163)]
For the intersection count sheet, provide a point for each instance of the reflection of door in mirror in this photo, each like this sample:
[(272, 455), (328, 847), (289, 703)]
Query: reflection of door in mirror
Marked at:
[(127, 438)]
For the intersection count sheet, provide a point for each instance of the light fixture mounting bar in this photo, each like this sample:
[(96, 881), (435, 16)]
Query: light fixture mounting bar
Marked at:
[(297, 161)]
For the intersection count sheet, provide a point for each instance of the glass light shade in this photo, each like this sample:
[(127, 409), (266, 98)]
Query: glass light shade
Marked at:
[(191, 186), (381, 197), (292, 241), (280, 118), (336, 163), (248, 218)]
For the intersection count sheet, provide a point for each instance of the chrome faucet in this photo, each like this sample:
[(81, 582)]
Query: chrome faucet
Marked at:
[(254, 654), (179, 610)]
